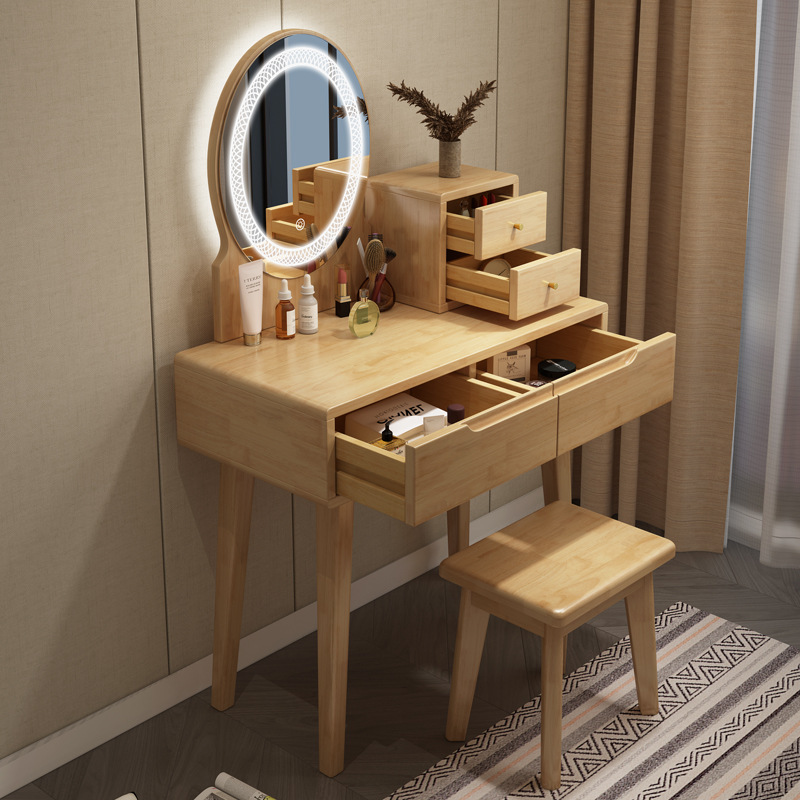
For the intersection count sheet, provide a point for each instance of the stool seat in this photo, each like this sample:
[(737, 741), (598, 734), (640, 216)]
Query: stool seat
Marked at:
[(549, 573), (557, 563)]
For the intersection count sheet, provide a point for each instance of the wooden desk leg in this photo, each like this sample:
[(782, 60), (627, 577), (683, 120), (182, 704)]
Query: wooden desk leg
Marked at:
[(233, 539), (334, 573), (457, 528), (557, 479)]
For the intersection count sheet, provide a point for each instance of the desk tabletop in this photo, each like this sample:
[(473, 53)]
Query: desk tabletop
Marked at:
[(332, 373)]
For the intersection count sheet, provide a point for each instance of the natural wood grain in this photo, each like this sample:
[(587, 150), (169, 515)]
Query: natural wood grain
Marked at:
[(549, 573), (457, 528), (472, 622), (553, 656), (233, 540), (334, 569)]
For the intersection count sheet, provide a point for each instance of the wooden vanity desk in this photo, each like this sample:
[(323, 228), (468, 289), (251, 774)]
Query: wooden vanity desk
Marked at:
[(276, 412)]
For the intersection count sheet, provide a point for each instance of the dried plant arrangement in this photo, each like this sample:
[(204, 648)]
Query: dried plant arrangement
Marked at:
[(340, 112), (443, 126)]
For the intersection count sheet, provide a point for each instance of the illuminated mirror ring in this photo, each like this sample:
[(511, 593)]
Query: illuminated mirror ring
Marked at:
[(277, 65)]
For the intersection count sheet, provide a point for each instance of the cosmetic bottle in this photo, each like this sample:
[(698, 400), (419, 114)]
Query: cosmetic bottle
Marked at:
[(364, 316), (342, 297), (251, 289), (389, 441), (284, 313), (307, 309)]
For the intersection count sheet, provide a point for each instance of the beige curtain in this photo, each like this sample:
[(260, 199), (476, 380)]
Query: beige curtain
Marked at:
[(659, 112)]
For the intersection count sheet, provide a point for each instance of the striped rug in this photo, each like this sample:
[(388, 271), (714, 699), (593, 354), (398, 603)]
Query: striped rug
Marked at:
[(728, 726)]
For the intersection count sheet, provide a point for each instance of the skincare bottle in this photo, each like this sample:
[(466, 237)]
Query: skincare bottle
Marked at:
[(284, 313), (364, 316), (342, 297), (307, 317), (389, 441), (251, 277)]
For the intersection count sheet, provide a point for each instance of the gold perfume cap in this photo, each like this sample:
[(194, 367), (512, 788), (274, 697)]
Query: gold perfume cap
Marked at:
[(251, 339)]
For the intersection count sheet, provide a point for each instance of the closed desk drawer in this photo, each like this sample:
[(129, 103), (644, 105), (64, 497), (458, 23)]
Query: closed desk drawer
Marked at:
[(509, 428), (617, 379), (536, 282), (508, 224)]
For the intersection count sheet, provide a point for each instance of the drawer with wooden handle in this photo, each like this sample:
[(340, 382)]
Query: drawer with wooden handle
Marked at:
[(507, 224), (508, 429), (617, 379), (533, 283)]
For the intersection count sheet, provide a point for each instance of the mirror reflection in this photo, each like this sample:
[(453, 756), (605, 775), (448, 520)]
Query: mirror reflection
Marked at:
[(295, 155)]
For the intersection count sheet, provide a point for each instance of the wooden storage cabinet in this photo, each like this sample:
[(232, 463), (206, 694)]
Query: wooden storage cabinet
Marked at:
[(440, 251), (509, 428), (617, 379)]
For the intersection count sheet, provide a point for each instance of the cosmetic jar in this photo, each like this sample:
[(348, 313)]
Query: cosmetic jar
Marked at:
[(553, 368)]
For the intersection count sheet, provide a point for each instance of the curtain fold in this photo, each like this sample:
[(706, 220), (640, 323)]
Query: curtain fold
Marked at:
[(765, 479), (659, 106)]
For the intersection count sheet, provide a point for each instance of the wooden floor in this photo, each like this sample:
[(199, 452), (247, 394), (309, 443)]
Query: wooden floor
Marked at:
[(401, 650)]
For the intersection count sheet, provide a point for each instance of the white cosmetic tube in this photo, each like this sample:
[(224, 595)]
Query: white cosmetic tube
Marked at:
[(251, 293)]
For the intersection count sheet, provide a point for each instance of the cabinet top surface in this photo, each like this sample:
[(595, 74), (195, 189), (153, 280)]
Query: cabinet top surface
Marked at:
[(423, 182), (332, 373)]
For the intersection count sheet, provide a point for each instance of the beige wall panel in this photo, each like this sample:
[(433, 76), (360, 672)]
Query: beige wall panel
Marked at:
[(182, 76), (436, 47), (532, 81), (82, 611)]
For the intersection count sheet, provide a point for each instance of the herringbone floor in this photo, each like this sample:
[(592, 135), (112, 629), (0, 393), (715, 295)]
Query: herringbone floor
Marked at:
[(401, 648)]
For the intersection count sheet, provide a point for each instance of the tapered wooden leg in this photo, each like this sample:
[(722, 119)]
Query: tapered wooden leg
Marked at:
[(233, 539), (557, 479), (334, 573), (553, 645), (457, 528), (471, 634), (640, 609)]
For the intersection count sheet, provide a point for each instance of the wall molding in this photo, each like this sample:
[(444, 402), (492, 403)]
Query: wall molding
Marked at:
[(53, 751)]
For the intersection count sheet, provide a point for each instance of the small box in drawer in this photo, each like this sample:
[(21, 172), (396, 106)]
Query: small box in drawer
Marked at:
[(536, 282)]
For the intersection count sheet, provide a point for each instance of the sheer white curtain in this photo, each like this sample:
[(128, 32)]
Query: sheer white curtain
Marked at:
[(765, 479)]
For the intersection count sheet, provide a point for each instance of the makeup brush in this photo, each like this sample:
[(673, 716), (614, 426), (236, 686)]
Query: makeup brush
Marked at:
[(374, 259)]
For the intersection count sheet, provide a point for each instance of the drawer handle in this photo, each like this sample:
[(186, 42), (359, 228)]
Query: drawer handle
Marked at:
[(550, 284), (516, 225), (497, 416)]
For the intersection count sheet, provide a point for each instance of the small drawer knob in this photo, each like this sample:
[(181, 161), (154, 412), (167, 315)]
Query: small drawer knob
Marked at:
[(550, 284), (516, 225)]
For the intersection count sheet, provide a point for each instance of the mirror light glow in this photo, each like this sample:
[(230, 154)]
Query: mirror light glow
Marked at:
[(278, 64)]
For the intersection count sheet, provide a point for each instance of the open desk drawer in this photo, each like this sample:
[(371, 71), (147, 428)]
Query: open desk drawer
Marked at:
[(618, 379), (507, 224), (536, 282), (509, 428)]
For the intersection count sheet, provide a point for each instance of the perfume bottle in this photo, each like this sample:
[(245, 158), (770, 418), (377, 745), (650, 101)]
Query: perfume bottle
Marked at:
[(364, 316), (389, 441), (284, 313)]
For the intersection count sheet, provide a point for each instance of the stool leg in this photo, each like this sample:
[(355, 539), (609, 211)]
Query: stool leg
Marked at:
[(553, 646), (472, 624), (640, 610)]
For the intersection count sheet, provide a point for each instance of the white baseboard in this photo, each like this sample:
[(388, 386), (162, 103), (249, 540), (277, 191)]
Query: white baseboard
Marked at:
[(744, 526), (39, 758)]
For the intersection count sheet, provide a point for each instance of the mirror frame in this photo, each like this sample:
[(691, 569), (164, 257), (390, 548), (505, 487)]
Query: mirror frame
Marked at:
[(225, 279)]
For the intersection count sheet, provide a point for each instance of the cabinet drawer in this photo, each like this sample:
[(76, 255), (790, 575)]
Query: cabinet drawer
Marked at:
[(509, 428), (536, 282), (508, 224), (618, 379)]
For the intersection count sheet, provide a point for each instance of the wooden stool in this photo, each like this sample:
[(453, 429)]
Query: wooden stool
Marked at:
[(549, 573)]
